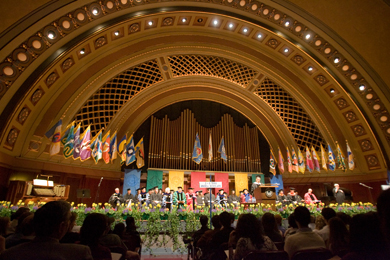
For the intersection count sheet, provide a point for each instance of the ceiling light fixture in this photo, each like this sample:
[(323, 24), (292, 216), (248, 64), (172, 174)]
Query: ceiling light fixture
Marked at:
[(215, 22), (362, 87), (287, 23), (336, 60), (82, 51), (231, 25), (332, 90), (95, 11), (310, 68), (308, 36), (286, 50), (183, 20), (116, 33), (245, 30), (51, 35), (150, 23)]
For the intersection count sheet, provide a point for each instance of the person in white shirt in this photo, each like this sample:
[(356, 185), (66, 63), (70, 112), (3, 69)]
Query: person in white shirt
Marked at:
[(305, 238)]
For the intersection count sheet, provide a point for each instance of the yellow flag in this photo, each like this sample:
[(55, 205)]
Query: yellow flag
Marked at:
[(175, 179), (241, 181)]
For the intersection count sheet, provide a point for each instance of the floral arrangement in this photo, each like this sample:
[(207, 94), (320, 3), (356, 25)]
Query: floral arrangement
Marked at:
[(160, 226)]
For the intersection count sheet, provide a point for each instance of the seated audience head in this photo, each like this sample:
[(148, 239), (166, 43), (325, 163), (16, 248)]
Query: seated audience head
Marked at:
[(215, 222), (328, 213), (224, 219), (21, 219), (19, 212), (27, 226), (130, 223), (302, 216), (278, 219), (4, 224), (52, 219), (366, 235), (269, 222), (119, 229), (249, 226), (338, 235), (291, 221), (383, 207), (345, 218), (320, 222), (204, 220), (94, 226)]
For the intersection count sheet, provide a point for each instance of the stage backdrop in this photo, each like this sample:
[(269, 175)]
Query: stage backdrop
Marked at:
[(261, 178), (175, 180), (277, 179), (155, 178), (132, 180), (241, 180), (224, 178), (196, 177)]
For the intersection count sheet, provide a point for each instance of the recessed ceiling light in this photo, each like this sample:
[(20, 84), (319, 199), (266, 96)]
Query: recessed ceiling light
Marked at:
[(200, 20), (308, 36), (362, 87), (310, 68), (285, 50), (51, 35), (95, 11), (287, 23), (231, 25), (215, 22), (245, 30), (183, 20), (116, 33), (259, 36), (150, 23), (336, 60), (332, 90), (82, 51)]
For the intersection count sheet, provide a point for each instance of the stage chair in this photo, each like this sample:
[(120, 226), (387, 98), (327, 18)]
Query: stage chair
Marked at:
[(315, 253), (266, 255)]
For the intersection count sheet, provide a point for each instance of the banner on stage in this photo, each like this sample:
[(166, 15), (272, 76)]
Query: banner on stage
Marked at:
[(210, 185)]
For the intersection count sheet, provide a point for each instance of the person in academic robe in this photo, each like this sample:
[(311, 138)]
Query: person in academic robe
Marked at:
[(310, 198), (200, 198), (167, 198), (256, 184), (190, 196), (207, 199), (233, 198), (129, 198), (150, 192), (221, 198), (143, 197), (291, 196), (246, 197), (338, 194), (179, 198), (281, 198), (116, 198), (155, 198)]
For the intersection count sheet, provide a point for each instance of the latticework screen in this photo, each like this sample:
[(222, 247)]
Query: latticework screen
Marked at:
[(290, 111), (186, 65), (108, 100)]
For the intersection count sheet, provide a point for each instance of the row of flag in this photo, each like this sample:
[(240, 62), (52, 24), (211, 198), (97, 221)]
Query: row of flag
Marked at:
[(296, 162), (197, 154), (83, 146)]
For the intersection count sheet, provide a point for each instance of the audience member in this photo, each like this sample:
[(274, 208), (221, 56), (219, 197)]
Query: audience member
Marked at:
[(312, 223), (320, 222), (327, 213), (204, 243), (13, 239), (270, 227), (278, 220), (26, 226), (305, 238), (250, 236), (366, 239), (220, 239), (50, 224), (197, 235), (383, 207), (345, 218), (4, 225), (292, 226), (132, 238), (14, 219), (95, 225), (71, 237), (338, 242)]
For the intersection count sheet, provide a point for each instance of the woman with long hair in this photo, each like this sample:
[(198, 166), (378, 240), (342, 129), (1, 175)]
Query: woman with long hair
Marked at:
[(250, 236)]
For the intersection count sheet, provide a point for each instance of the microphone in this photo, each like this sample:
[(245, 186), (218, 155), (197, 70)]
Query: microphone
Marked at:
[(100, 181), (364, 185)]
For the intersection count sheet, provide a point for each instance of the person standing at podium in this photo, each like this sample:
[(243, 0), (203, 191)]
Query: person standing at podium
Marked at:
[(256, 184)]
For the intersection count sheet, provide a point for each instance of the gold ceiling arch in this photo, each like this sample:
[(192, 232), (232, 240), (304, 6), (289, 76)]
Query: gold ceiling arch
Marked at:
[(317, 80)]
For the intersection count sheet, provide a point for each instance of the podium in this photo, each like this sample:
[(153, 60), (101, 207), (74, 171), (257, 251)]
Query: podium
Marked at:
[(266, 194)]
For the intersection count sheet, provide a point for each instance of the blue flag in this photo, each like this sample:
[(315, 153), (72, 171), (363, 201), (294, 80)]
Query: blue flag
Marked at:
[(54, 135), (132, 180), (331, 160), (222, 149), (197, 154), (130, 156)]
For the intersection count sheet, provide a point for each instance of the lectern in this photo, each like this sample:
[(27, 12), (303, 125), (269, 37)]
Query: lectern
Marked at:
[(266, 194)]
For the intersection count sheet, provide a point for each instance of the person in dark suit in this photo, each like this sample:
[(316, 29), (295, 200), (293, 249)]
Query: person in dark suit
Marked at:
[(129, 197), (338, 194), (256, 184), (116, 198), (50, 222), (281, 198), (156, 197)]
